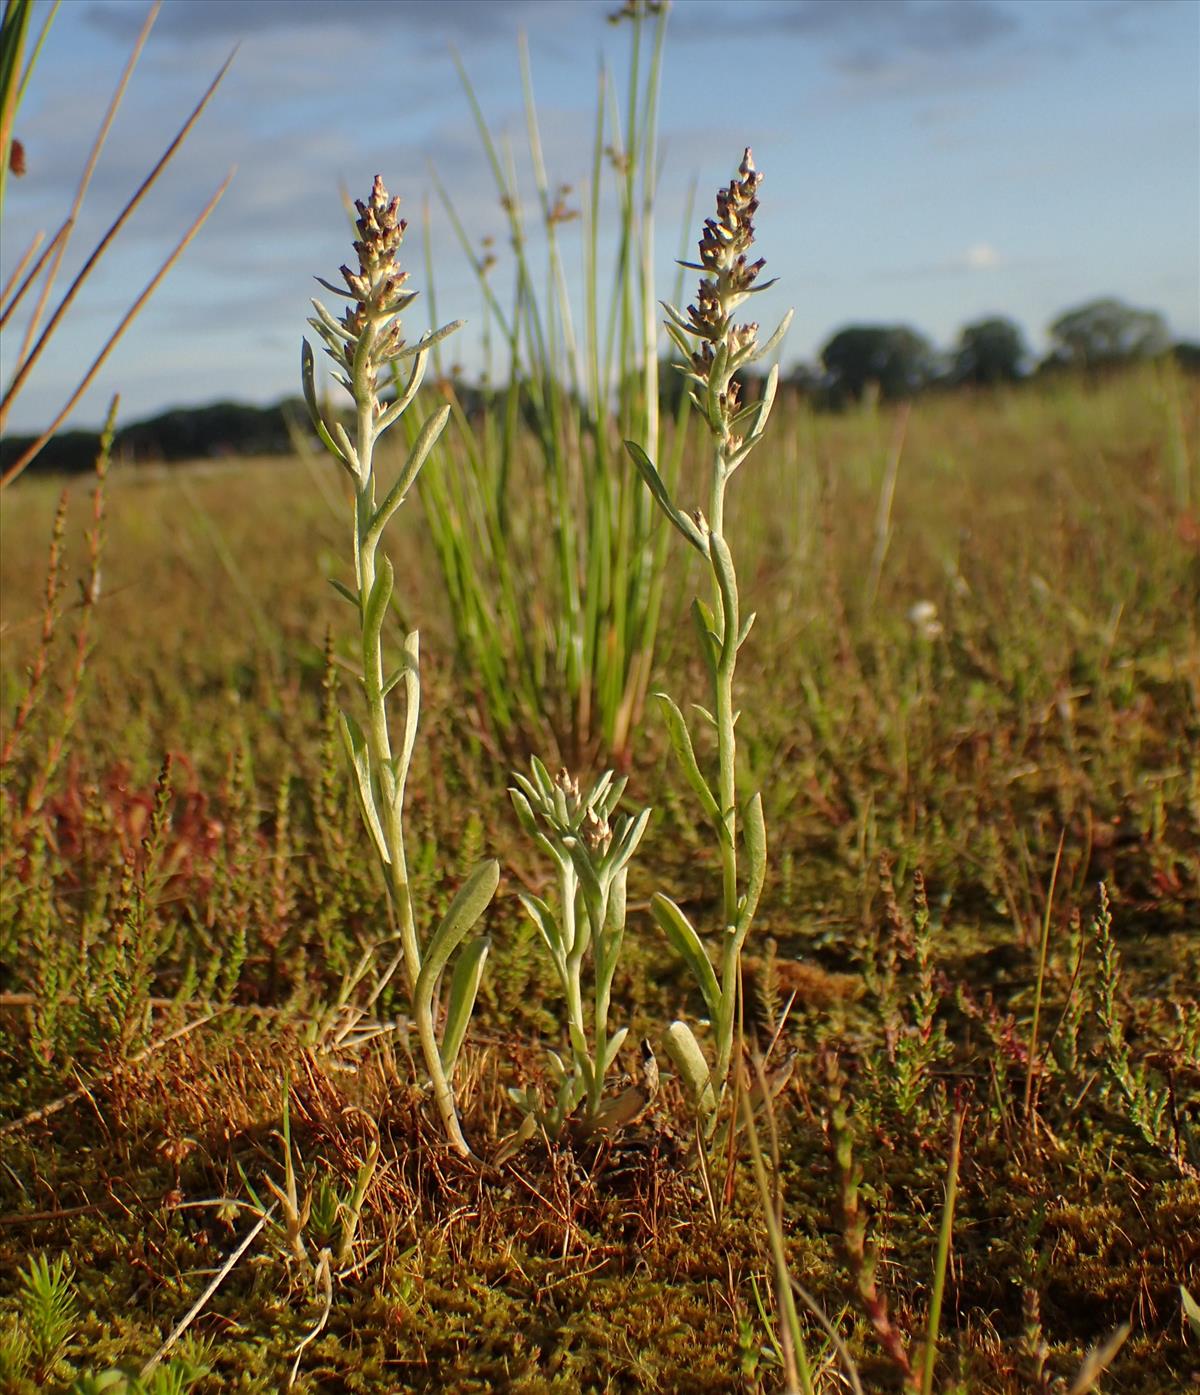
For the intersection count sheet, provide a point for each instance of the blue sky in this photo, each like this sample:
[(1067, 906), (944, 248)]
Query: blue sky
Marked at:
[(926, 162)]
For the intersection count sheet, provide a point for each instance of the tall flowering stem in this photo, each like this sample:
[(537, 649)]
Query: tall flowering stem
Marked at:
[(365, 343), (715, 348)]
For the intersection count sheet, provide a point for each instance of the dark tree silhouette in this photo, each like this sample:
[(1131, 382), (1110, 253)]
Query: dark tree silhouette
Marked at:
[(900, 360), (990, 351), (1106, 332), (1187, 355)]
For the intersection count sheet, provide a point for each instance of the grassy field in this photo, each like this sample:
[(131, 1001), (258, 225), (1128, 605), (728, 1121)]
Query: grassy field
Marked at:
[(978, 644)]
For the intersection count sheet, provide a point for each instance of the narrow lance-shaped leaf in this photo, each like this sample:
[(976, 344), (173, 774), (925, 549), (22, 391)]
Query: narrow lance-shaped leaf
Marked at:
[(761, 410), (628, 837), (710, 644), (716, 381), (466, 908), (308, 381), (1191, 1310), (543, 917), (424, 443), (593, 892), (427, 341), (754, 829), (678, 929), (343, 590), (360, 765), (328, 326), (681, 744), (654, 482), (777, 338), (412, 711), (464, 986), (614, 1045), (688, 1060), (377, 601), (727, 581), (405, 394)]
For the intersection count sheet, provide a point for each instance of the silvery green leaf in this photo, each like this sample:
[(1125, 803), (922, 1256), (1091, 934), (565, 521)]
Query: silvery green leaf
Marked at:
[(722, 560), (558, 1071), (360, 765), (681, 744), (512, 1145), (561, 815), (464, 986), (688, 1059), (349, 454), (412, 709), (581, 859), (679, 338), (677, 317), (343, 590), (468, 905), (392, 679), (627, 843), (524, 812), (754, 829), (614, 1045), (433, 337), (308, 383), (678, 929), (770, 388), (327, 322), (705, 713), (777, 338), (1191, 1311), (380, 594), (658, 489), (706, 630), (424, 443), (533, 796), (717, 375), (337, 290), (600, 789), (747, 626), (405, 394), (542, 776), (543, 917)]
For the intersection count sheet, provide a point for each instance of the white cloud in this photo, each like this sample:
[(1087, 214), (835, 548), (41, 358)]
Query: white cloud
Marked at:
[(981, 256)]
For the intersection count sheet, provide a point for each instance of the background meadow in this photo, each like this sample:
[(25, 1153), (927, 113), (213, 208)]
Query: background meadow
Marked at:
[(971, 703)]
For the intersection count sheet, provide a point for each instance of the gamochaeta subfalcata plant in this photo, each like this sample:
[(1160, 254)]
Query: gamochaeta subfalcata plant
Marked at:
[(365, 343)]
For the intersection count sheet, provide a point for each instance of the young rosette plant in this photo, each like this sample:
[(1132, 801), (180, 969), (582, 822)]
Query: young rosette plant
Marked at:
[(715, 349), (365, 344), (591, 855)]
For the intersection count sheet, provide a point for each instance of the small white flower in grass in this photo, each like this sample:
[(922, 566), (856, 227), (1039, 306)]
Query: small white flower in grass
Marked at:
[(923, 617)]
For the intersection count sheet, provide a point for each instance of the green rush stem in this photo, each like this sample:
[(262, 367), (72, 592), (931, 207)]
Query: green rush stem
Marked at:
[(942, 1258)]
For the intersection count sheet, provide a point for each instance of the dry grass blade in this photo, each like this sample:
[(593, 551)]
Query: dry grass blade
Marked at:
[(30, 357), (197, 1307), (86, 178), (130, 315), (1098, 1360), (34, 243)]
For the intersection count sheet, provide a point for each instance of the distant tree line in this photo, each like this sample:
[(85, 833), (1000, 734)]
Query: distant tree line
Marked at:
[(893, 361), (898, 361)]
